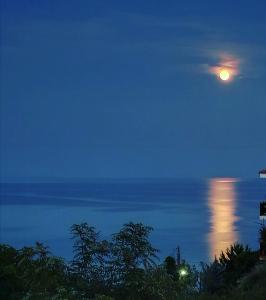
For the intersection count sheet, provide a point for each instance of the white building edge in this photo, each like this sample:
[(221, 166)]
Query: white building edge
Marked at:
[(262, 173)]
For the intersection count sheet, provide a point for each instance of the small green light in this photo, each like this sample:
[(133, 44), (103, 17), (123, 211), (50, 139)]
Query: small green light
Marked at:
[(183, 272)]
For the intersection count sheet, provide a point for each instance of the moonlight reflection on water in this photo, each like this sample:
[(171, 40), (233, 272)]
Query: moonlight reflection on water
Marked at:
[(222, 205)]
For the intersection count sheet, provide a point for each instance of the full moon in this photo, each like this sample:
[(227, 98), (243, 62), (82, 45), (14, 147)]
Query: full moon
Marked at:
[(224, 75)]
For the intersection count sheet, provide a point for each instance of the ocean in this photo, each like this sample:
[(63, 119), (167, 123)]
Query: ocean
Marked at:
[(202, 217)]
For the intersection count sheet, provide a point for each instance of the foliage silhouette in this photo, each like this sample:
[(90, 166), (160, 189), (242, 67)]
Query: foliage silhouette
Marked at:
[(126, 267)]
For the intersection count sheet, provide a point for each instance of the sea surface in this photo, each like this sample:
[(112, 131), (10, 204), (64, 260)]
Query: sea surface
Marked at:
[(202, 217)]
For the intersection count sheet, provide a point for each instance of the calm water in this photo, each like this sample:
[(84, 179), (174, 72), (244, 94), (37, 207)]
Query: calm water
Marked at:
[(201, 216)]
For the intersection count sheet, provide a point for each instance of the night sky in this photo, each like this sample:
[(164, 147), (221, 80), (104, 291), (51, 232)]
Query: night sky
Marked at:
[(122, 89)]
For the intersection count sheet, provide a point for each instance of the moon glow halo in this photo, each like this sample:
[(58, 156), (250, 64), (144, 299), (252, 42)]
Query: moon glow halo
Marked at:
[(226, 69)]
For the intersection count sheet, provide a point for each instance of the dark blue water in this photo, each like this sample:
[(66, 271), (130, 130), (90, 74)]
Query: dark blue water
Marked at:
[(197, 215)]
